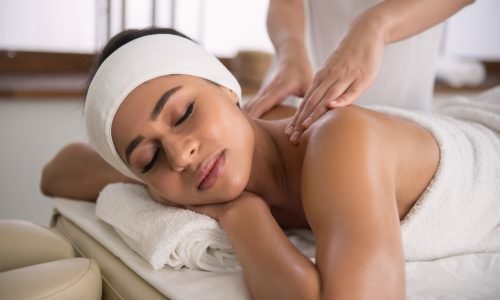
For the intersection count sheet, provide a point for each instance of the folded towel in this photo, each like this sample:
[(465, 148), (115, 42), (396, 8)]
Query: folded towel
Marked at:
[(460, 210), (165, 235)]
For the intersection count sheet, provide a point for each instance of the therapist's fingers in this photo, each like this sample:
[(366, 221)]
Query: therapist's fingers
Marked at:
[(319, 86), (331, 95), (349, 96), (266, 100), (319, 102), (306, 103)]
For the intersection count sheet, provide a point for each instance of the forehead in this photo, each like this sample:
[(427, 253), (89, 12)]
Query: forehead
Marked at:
[(146, 94), (136, 108)]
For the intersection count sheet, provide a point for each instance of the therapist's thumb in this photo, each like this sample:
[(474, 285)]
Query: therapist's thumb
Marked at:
[(258, 106), (264, 102)]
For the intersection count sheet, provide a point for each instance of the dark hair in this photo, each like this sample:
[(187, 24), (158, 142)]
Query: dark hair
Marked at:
[(124, 37)]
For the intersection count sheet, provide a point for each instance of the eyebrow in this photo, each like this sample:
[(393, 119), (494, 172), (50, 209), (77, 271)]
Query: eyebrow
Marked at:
[(133, 144), (154, 114), (162, 101)]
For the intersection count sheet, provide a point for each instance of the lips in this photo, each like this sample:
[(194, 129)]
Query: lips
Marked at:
[(210, 171)]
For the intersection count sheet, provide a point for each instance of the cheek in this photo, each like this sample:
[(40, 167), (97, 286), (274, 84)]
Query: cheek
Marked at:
[(239, 158), (168, 186), (226, 125)]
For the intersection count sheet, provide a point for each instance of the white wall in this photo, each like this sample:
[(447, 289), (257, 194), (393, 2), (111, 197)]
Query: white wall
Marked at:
[(31, 132), (474, 32)]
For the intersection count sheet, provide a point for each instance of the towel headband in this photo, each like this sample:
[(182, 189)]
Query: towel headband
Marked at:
[(134, 63)]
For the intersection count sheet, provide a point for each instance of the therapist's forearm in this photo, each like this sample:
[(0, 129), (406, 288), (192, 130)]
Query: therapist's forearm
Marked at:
[(286, 27), (400, 19)]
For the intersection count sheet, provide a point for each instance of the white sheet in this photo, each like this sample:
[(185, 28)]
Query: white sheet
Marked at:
[(473, 276)]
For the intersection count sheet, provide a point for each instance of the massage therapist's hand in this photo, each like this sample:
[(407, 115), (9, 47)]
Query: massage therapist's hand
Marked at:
[(245, 203), (293, 77), (343, 77)]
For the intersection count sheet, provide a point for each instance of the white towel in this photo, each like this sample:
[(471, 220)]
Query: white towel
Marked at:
[(163, 235), (460, 71), (460, 210)]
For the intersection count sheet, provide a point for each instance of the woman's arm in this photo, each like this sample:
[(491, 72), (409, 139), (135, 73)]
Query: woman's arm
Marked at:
[(348, 194), (272, 266), (78, 172)]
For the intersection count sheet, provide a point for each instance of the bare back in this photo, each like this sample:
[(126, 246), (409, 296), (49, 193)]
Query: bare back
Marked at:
[(409, 150), (416, 153)]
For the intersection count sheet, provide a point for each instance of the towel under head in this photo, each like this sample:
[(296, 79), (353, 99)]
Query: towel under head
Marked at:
[(164, 235)]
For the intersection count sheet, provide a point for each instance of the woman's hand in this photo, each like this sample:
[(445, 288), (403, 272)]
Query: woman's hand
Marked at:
[(294, 77), (344, 76), (219, 211), (215, 211)]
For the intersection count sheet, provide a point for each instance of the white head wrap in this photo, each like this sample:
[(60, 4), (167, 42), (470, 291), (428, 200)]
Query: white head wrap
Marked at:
[(134, 63)]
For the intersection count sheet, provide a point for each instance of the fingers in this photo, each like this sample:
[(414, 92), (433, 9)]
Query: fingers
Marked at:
[(348, 97), (339, 94), (288, 81), (320, 99), (291, 127), (261, 104)]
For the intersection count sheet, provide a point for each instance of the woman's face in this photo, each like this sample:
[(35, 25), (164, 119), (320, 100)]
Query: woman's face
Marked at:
[(186, 139)]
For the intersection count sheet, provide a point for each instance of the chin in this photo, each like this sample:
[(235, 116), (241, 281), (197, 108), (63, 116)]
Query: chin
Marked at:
[(234, 187)]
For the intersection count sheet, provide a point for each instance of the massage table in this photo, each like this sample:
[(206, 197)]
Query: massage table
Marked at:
[(126, 275)]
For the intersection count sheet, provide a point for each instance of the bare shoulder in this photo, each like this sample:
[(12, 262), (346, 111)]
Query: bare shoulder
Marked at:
[(347, 129), (349, 147)]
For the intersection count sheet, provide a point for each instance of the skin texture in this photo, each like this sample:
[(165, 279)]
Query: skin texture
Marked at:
[(185, 146), (351, 179), (351, 68)]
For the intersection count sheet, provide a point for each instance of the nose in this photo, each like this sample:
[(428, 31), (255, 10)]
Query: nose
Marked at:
[(181, 152)]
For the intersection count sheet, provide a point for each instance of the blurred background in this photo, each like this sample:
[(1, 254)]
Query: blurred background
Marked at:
[(47, 48)]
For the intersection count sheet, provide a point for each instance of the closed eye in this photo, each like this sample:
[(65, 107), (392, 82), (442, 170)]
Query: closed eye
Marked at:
[(186, 115), (152, 162)]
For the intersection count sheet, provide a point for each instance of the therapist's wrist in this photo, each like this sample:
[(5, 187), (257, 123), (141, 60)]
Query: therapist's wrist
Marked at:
[(372, 24), (376, 21), (294, 60), (292, 50)]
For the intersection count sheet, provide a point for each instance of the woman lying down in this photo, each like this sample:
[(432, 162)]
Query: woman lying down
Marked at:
[(376, 187)]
